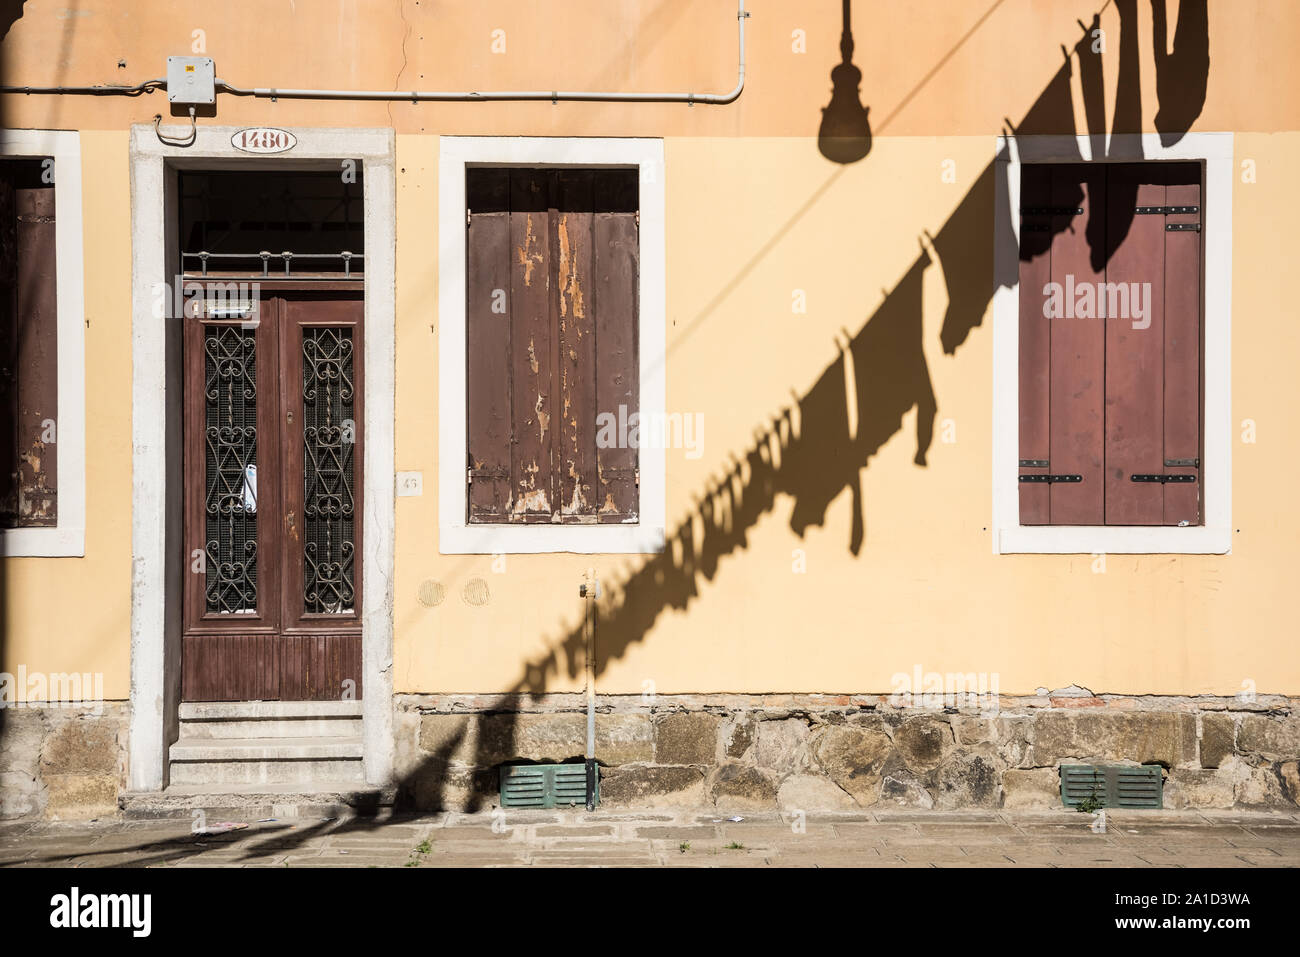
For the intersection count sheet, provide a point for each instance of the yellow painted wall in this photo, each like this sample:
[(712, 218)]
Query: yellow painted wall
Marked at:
[(65, 615), (926, 588), (753, 212)]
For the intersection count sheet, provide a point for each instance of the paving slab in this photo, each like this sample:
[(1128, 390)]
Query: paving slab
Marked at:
[(627, 838)]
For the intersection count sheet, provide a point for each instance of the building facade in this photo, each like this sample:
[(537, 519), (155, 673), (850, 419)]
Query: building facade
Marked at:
[(865, 403)]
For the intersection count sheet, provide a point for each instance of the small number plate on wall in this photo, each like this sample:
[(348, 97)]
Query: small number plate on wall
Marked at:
[(263, 139), (410, 483)]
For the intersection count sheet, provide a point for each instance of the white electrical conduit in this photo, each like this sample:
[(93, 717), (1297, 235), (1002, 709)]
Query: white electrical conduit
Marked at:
[(416, 96)]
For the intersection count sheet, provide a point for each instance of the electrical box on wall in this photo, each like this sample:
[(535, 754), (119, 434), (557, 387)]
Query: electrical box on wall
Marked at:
[(191, 80)]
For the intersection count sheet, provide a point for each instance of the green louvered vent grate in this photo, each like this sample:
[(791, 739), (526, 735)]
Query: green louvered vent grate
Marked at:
[(545, 785), (1112, 785)]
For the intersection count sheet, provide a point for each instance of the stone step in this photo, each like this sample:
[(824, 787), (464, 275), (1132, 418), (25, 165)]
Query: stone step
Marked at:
[(270, 719), (234, 802), (271, 728), (311, 762)]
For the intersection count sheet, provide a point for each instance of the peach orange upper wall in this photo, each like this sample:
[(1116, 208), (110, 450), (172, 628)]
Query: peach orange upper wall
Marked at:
[(945, 67)]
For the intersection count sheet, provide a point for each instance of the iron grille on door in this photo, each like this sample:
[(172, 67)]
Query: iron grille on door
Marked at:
[(29, 371), (328, 436), (230, 469), (273, 500)]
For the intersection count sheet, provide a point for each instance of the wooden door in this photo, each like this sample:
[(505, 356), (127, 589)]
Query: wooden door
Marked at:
[(272, 463)]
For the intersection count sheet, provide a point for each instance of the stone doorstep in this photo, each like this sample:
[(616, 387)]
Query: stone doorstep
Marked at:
[(251, 710), (266, 749), (257, 804), (215, 722)]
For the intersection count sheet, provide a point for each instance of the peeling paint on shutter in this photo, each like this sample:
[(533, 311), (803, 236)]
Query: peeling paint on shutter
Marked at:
[(563, 351), (8, 355), (577, 365), (618, 381), (488, 338), (29, 344), (532, 481)]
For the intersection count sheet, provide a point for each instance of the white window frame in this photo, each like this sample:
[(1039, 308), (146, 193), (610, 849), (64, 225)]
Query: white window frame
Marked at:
[(66, 539), (1215, 535), (456, 535)]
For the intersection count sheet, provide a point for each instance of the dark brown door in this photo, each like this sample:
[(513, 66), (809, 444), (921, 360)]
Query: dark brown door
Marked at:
[(273, 454)]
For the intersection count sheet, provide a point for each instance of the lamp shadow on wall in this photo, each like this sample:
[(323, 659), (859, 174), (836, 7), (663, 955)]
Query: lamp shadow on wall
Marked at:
[(845, 132)]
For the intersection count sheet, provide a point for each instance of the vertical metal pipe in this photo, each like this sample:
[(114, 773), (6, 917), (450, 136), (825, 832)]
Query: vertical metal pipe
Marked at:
[(590, 589)]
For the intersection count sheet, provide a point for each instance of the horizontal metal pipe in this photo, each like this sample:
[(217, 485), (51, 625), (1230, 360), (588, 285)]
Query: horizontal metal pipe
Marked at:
[(148, 86)]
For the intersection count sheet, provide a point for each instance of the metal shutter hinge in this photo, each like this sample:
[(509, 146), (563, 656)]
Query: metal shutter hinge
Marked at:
[(1164, 478), (1051, 479)]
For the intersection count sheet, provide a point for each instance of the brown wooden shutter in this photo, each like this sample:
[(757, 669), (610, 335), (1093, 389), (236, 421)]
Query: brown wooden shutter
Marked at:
[(1077, 352), (618, 381), (1135, 355), (1153, 401), (1182, 334), (1035, 345), (28, 348), (533, 421), (8, 353), (552, 292), (576, 339), (488, 286), (1138, 456)]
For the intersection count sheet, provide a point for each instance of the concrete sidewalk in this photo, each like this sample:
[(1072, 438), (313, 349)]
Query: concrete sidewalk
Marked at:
[(700, 838)]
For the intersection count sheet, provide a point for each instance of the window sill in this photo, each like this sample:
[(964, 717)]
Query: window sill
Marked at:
[(1112, 540), (541, 539), (43, 542)]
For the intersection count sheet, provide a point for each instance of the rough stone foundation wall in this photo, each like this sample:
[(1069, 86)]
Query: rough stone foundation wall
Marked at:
[(62, 763), (844, 751)]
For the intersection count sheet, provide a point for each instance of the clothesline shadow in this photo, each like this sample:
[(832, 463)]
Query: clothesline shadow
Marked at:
[(808, 452)]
